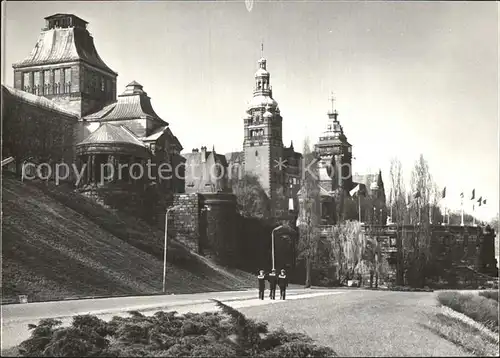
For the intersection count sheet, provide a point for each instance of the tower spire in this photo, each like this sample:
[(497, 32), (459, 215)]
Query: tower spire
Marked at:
[(332, 100), (333, 114)]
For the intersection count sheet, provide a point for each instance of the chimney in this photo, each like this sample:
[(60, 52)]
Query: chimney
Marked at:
[(203, 154)]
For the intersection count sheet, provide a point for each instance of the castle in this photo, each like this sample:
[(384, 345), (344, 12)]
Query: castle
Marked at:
[(65, 82), (64, 108)]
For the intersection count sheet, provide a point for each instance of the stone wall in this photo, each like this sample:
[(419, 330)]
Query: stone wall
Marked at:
[(452, 247), (185, 221), (221, 226), (206, 224)]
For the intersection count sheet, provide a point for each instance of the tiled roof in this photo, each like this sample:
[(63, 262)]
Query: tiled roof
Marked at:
[(221, 158), (132, 104), (235, 157), (35, 100), (156, 134), (64, 45), (109, 133)]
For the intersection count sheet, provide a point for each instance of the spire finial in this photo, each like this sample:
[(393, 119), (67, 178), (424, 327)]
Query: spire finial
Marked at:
[(332, 100), (262, 49)]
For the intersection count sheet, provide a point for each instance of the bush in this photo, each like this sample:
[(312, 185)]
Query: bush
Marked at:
[(480, 309), (493, 295), (166, 334)]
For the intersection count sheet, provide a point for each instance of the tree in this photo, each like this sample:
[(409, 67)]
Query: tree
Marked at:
[(309, 213), (347, 244), (251, 198), (398, 192), (416, 244)]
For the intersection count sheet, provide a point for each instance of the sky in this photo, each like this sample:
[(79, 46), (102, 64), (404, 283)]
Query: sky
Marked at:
[(409, 78)]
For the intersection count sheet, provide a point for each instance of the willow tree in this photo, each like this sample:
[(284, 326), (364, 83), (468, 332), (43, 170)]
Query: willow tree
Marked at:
[(309, 213)]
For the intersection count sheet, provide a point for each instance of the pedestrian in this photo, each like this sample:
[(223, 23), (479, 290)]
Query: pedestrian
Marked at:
[(273, 281), (282, 283), (262, 284)]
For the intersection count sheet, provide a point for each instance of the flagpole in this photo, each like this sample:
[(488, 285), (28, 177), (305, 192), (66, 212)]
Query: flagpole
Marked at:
[(462, 211), (473, 216)]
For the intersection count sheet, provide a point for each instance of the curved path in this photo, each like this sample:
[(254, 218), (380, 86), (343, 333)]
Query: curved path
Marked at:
[(354, 322)]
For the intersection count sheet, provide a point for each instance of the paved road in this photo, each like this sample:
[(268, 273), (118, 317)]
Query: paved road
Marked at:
[(16, 317), (351, 321)]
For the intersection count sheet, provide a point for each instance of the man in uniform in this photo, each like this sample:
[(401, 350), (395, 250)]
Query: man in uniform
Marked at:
[(282, 283), (262, 284), (273, 281)]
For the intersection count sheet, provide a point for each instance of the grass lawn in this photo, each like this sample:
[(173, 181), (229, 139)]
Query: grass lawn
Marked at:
[(58, 244), (363, 323), (480, 309), (464, 335), (489, 294)]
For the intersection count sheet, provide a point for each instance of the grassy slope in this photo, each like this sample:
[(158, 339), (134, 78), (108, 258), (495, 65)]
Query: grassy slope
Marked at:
[(58, 244)]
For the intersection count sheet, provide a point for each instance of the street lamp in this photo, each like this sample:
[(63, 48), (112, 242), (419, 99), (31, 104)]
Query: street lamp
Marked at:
[(272, 244), (290, 210), (165, 249)]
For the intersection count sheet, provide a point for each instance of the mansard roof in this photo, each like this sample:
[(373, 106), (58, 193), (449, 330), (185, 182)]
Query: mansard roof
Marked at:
[(59, 45), (37, 101), (133, 103), (112, 134)]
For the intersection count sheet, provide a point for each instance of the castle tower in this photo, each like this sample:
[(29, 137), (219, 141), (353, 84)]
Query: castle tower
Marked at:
[(336, 155), (263, 145), (65, 67)]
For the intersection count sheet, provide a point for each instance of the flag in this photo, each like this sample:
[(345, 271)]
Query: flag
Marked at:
[(443, 195), (484, 202), (462, 195), (473, 194), (355, 190), (416, 195), (480, 200)]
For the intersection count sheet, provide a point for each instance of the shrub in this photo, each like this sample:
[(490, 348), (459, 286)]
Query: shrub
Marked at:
[(493, 295), (166, 334), (298, 349), (480, 309)]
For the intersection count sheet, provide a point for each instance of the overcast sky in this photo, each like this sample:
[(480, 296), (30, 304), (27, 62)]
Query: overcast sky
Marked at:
[(409, 77)]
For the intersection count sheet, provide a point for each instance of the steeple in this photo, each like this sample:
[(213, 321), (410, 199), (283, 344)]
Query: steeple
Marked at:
[(333, 127), (335, 152), (333, 114)]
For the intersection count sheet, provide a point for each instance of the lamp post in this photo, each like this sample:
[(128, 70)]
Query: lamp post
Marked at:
[(165, 249), (272, 244), (290, 210)]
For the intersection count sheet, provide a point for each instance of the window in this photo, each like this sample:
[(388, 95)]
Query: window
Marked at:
[(26, 81), (47, 81), (67, 80), (102, 84), (37, 82), (57, 81)]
